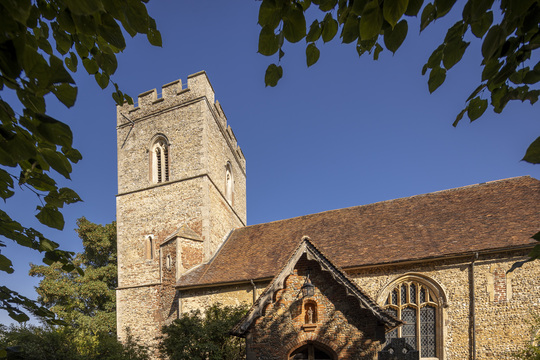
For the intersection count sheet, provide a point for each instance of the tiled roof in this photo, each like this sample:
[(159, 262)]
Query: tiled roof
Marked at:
[(307, 248), (501, 214)]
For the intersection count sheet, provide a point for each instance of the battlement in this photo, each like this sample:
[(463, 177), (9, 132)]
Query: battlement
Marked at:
[(175, 94)]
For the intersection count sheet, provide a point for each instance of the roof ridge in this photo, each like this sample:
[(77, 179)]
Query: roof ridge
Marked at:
[(397, 199)]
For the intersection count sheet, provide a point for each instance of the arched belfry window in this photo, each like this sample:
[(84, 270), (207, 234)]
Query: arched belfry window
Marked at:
[(418, 302), (159, 160), (229, 183)]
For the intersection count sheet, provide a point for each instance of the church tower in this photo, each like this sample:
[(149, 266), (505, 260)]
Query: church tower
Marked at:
[(181, 190)]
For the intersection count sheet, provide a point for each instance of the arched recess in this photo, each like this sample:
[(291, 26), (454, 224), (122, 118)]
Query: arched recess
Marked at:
[(312, 350), (419, 302), (159, 159), (229, 183)]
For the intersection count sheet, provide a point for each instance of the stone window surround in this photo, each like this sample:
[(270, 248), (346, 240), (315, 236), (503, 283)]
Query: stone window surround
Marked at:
[(149, 247), (440, 300), (159, 143)]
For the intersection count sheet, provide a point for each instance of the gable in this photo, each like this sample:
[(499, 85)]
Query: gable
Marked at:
[(494, 216), (335, 280)]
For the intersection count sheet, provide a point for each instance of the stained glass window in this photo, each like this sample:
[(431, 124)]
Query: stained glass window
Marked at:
[(412, 303)]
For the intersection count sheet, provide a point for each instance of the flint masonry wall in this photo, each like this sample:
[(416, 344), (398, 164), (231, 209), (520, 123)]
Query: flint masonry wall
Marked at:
[(505, 304), (200, 144), (503, 314)]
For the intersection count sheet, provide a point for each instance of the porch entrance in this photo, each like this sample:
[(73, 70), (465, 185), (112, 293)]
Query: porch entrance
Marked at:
[(310, 352)]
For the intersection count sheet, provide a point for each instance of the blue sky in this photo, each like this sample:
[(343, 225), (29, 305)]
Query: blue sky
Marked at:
[(345, 132)]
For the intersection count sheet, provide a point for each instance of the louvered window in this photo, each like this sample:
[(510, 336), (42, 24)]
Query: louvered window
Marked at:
[(415, 305), (160, 161)]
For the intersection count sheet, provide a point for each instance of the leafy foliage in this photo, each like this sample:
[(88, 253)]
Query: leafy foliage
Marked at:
[(204, 337), (87, 303), (50, 343), (41, 44), (531, 351), (510, 34)]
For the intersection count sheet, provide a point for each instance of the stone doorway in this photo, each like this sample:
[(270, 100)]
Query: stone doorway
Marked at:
[(311, 352)]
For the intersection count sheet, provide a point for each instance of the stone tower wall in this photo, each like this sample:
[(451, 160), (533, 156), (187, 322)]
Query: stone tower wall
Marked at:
[(200, 144)]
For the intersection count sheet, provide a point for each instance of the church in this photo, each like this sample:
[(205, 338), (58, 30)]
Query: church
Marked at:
[(428, 272)]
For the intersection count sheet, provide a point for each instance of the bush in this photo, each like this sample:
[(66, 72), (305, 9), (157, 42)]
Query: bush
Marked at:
[(31, 342), (197, 336)]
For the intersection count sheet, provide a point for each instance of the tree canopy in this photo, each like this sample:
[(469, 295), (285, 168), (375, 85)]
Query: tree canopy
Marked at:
[(41, 44), (87, 303), (509, 35)]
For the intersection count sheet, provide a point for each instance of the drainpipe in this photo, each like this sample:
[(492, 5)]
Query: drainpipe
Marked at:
[(473, 310), (254, 290)]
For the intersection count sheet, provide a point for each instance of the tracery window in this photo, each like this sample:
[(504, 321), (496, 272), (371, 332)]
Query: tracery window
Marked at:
[(160, 160), (417, 305)]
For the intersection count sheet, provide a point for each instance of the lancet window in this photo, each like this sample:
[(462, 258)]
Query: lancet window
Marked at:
[(229, 183), (418, 306), (160, 160)]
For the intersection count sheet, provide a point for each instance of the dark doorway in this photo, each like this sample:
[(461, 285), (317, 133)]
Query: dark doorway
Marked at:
[(310, 352)]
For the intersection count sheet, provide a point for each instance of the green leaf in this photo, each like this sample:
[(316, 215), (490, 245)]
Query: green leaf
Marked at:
[(327, 5), (378, 49), (394, 38), (358, 6), (414, 7), (63, 40), (436, 78), (394, 10), (269, 14), (476, 108), (491, 68), (153, 35), (136, 16), (435, 58), (272, 75), (459, 117), (72, 154), (84, 6), (71, 62), (59, 73), (90, 65), (443, 7), (493, 41), (41, 182), (428, 15), (31, 101), (532, 155), (312, 54), (371, 21), (350, 29), (102, 80), (481, 26), (50, 217), (329, 28), (6, 265), (479, 8), (532, 77), (294, 25), (66, 93), (268, 41), (57, 161), (111, 32), (54, 131), (453, 52), (314, 32)]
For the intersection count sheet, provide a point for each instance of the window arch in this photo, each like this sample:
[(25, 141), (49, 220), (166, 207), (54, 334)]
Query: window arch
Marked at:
[(149, 247), (159, 160), (417, 301), (229, 183)]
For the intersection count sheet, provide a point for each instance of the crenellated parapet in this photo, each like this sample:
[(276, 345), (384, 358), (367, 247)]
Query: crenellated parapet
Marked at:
[(173, 95)]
